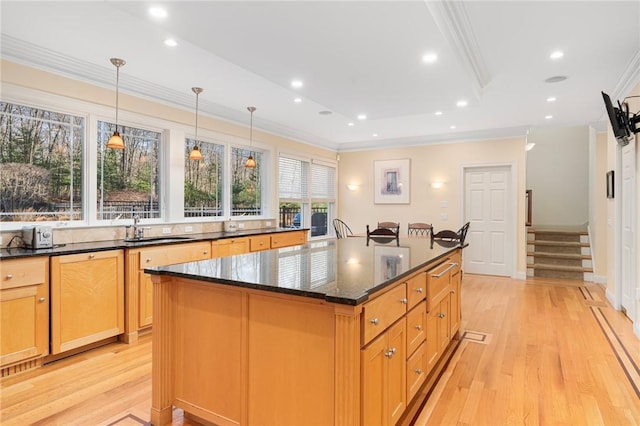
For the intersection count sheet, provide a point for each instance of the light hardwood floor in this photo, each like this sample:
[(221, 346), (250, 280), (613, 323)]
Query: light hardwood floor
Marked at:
[(535, 352)]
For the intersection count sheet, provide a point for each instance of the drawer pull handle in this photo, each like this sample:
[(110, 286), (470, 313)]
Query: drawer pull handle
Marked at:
[(205, 252), (374, 321), (441, 315), (418, 371), (450, 267), (453, 292), (9, 276), (419, 327), (390, 352), (419, 289), (404, 300), (148, 259), (42, 299)]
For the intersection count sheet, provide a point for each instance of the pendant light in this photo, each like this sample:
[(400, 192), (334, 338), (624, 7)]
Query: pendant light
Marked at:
[(251, 163), (195, 154), (115, 141)]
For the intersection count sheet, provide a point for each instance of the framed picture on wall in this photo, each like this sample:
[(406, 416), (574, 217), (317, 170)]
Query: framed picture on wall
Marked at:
[(610, 184), (391, 181)]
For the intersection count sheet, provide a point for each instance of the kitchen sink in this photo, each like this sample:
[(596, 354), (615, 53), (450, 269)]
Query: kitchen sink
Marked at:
[(156, 239)]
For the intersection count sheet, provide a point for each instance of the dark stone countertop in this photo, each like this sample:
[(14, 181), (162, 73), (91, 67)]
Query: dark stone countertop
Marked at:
[(62, 249), (344, 271)]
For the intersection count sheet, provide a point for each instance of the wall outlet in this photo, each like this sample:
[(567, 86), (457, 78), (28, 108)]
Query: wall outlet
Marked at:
[(267, 223), (444, 204), (240, 225), (166, 230), (188, 229)]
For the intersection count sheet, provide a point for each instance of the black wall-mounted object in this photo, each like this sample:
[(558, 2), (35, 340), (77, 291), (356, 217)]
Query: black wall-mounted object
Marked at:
[(610, 184)]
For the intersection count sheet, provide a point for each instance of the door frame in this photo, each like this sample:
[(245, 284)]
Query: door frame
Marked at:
[(633, 315), (512, 209)]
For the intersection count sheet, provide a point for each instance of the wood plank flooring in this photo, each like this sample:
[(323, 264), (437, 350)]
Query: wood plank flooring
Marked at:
[(535, 352)]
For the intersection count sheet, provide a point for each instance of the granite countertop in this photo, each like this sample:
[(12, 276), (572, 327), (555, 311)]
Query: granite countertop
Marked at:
[(62, 249), (344, 271)]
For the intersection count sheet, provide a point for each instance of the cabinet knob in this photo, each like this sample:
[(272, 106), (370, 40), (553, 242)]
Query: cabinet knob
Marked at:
[(275, 241), (453, 292), (390, 352), (42, 299), (91, 256), (419, 289), (418, 371), (205, 252), (441, 315), (374, 321), (418, 327), (148, 259), (9, 276), (404, 300)]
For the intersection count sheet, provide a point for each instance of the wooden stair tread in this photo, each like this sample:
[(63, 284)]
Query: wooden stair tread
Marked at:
[(559, 267), (558, 255), (558, 243)]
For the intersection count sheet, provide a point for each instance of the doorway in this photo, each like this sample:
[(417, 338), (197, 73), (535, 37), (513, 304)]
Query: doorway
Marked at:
[(489, 206)]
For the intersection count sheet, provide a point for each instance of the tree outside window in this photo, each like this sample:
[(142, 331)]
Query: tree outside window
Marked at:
[(246, 183), (203, 180)]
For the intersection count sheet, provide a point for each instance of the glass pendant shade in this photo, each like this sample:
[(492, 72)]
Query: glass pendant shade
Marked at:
[(115, 141), (196, 154), (251, 163)]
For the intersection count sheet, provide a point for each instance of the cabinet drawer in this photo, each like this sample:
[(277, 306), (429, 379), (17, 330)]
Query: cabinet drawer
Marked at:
[(416, 327), (285, 239), (438, 280), (23, 272), (416, 371), (382, 311), (416, 289), (260, 242), (176, 253)]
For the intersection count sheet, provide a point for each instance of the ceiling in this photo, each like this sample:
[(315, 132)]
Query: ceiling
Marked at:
[(353, 57)]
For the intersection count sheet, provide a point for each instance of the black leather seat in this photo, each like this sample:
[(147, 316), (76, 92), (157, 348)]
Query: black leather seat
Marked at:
[(449, 236), (382, 235)]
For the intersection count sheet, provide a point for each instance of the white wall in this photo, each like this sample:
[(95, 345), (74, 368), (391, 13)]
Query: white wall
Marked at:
[(558, 175)]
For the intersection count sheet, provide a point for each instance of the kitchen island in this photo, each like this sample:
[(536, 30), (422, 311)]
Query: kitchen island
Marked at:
[(335, 332)]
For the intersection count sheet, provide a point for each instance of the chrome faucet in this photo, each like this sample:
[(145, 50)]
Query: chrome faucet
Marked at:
[(138, 231)]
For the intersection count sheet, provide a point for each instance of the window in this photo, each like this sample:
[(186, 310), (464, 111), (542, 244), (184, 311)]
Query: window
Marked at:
[(246, 184), (128, 179), (40, 164), (203, 180), (307, 195)]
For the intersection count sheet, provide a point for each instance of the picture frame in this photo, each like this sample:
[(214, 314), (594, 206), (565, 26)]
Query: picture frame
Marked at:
[(610, 184), (392, 181)]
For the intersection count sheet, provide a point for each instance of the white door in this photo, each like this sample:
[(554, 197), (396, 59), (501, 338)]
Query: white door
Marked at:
[(627, 206), (486, 208)]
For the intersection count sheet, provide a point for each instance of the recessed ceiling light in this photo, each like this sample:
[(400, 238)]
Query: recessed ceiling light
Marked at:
[(429, 58), (462, 103), (296, 84), (171, 42), (351, 124), (556, 79), (452, 127), (362, 116), (551, 99), (375, 135), (158, 12), (438, 113), (556, 54), (548, 117), (297, 100)]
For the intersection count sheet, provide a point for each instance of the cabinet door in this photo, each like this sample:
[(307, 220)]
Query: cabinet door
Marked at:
[(260, 242), (397, 371), (444, 329), (87, 298), (432, 342), (24, 310), (285, 239), (416, 327), (416, 289), (416, 371), (374, 382), (454, 308)]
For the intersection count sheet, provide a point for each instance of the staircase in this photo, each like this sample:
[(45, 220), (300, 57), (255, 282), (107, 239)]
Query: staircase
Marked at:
[(556, 252)]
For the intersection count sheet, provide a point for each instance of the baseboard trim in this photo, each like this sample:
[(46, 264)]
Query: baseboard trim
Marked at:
[(600, 279)]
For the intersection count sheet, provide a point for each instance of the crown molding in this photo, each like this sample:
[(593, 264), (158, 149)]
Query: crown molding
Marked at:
[(453, 22), (629, 78)]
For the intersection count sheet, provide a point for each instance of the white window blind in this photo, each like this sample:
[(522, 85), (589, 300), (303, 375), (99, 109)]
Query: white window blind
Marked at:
[(323, 180), (293, 178)]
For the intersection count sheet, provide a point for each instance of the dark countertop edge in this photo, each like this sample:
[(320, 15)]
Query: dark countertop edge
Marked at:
[(76, 248), (302, 293)]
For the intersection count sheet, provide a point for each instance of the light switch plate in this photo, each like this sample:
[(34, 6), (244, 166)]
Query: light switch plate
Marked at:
[(166, 230), (240, 225), (444, 204), (188, 229), (267, 223), (444, 217)]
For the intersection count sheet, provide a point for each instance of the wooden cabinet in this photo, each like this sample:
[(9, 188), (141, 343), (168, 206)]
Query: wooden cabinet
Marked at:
[(24, 309), (139, 285), (382, 311), (286, 239), (384, 390), (87, 298), (259, 242), (229, 247)]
